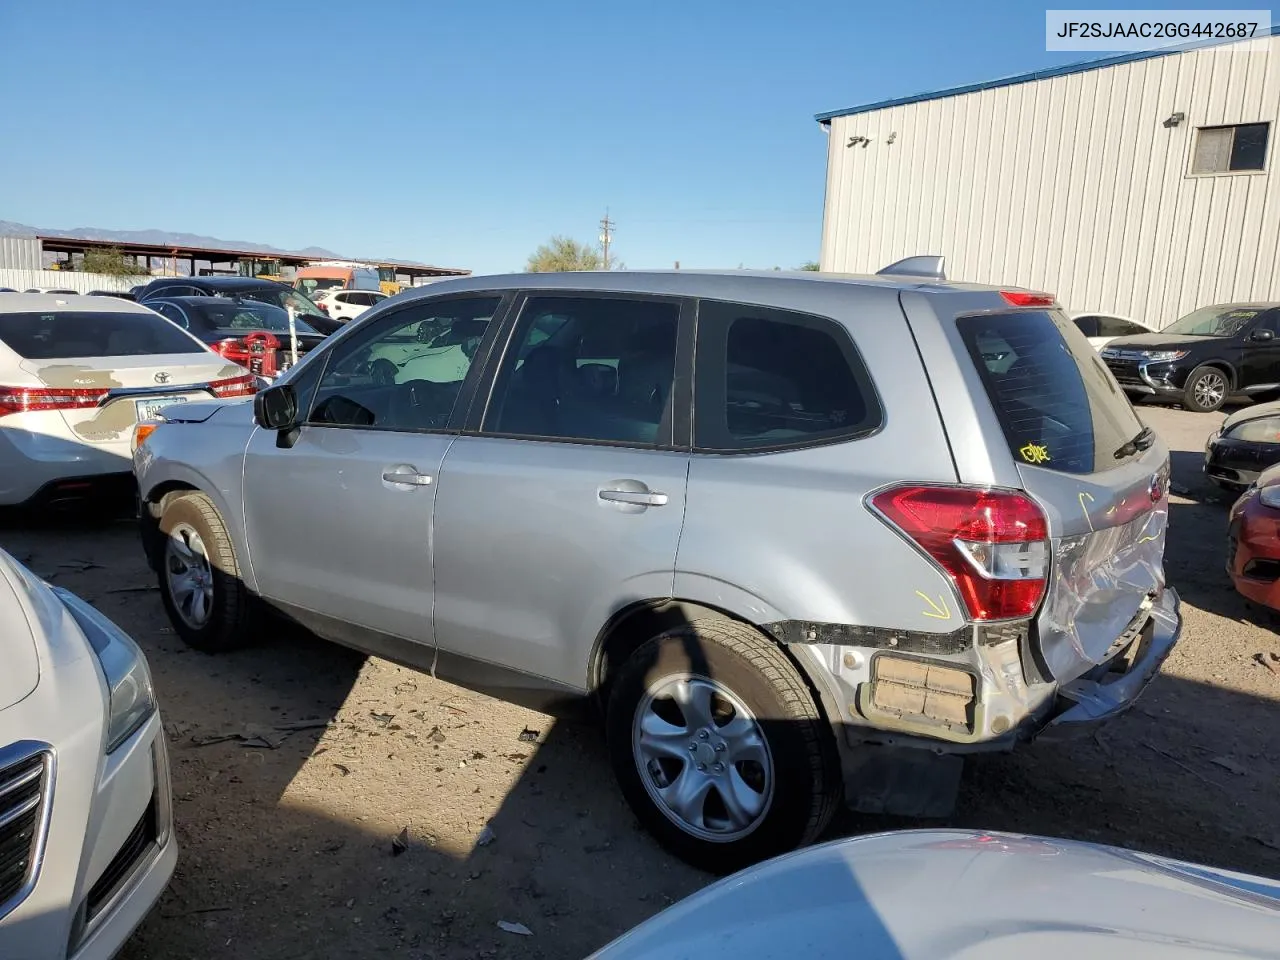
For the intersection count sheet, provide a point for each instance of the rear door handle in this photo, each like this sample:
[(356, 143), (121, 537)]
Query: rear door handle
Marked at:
[(406, 476)]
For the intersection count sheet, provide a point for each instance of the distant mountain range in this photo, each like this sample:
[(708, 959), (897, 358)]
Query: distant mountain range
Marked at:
[(161, 237)]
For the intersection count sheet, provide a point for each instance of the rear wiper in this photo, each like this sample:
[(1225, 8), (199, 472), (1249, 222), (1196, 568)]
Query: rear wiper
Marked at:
[(1142, 441)]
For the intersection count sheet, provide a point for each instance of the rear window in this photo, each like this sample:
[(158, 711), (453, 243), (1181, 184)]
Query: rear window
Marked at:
[(52, 336), (1058, 405)]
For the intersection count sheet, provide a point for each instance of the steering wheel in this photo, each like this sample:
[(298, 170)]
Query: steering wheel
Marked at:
[(383, 372), (418, 403)]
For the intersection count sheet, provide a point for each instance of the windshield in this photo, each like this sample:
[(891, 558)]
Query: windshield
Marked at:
[(252, 315), (79, 333), (314, 285), (1213, 322), (284, 298)]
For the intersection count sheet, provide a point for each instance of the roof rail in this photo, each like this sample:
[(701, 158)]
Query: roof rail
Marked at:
[(928, 266)]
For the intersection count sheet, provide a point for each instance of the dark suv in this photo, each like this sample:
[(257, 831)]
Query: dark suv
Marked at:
[(1212, 355)]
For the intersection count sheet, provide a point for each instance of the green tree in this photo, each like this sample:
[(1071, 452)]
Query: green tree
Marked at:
[(111, 261), (810, 265), (562, 254)]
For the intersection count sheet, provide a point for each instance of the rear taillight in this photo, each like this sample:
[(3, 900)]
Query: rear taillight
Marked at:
[(323, 306), (30, 399), (1022, 298), (242, 386), (994, 544)]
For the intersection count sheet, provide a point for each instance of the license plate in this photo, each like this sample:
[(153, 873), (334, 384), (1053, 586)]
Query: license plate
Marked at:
[(147, 409)]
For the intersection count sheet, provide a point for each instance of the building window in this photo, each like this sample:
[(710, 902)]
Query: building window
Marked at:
[(1241, 148)]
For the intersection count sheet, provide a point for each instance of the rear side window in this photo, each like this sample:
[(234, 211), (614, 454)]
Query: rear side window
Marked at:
[(771, 378), (1089, 325), (1058, 405), (52, 336), (1119, 327)]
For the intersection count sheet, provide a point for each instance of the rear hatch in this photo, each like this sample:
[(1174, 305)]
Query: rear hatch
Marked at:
[(104, 371), (1100, 476)]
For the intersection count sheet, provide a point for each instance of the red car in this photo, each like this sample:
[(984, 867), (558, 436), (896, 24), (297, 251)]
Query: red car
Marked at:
[(1253, 540)]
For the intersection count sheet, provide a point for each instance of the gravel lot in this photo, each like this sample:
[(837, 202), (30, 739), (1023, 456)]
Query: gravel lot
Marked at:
[(287, 840)]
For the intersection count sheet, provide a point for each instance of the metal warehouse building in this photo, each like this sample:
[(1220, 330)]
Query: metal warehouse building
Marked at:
[(1142, 185)]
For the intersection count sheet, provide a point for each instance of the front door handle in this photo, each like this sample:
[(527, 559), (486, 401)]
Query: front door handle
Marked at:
[(631, 493), (407, 476)]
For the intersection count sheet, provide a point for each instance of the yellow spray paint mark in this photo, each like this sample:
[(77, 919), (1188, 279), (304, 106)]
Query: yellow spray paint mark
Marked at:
[(1148, 538), (1035, 453), (936, 611), (1087, 519)]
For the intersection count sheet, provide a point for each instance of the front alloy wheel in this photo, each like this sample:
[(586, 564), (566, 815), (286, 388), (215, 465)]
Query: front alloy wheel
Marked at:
[(188, 575)]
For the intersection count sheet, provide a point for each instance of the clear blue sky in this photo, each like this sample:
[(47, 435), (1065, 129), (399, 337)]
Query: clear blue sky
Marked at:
[(467, 133)]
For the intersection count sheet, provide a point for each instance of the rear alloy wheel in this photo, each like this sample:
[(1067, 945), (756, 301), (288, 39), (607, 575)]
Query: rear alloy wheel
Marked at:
[(1206, 390), (200, 583), (719, 748)]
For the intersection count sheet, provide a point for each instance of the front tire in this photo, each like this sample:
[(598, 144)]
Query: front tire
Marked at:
[(719, 748), (199, 573), (1206, 390)]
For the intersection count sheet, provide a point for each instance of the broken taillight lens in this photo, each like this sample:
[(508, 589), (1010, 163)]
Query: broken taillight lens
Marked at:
[(994, 544), (30, 399)]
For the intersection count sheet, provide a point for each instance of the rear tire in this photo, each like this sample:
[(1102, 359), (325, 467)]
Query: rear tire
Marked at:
[(719, 747), (200, 582), (1206, 390)]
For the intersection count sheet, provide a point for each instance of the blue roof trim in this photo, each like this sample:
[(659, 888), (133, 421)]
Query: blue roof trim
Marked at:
[(1080, 66)]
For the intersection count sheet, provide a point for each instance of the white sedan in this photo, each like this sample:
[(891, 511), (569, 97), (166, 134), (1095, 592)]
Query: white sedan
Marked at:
[(1102, 328), (86, 836), (934, 894), (76, 374)]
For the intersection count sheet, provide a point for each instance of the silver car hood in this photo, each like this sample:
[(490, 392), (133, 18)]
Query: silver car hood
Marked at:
[(201, 410), (932, 894), (20, 670)]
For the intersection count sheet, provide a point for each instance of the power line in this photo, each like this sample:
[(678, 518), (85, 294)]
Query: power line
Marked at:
[(606, 235)]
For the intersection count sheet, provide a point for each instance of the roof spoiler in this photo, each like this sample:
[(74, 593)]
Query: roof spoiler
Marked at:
[(929, 266)]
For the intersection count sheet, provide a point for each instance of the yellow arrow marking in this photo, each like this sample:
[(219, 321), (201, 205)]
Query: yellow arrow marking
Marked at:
[(937, 611), (1087, 519)]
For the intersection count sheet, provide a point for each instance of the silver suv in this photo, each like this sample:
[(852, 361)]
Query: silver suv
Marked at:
[(803, 538)]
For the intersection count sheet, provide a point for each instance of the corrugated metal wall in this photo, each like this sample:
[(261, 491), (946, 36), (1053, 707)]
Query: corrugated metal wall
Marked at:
[(65, 280), (1072, 185), (20, 253)]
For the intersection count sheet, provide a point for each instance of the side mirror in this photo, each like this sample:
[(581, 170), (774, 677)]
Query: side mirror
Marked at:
[(276, 408), (1263, 335)]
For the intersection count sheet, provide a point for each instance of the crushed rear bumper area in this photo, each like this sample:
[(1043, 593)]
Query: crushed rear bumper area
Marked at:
[(1083, 704)]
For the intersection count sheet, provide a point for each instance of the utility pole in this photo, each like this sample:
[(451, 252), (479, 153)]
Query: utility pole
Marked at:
[(606, 236)]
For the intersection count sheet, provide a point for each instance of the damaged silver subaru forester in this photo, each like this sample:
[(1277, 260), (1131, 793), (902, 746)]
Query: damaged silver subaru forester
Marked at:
[(804, 538)]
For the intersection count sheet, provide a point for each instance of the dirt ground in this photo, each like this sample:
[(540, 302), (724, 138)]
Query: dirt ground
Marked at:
[(287, 834)]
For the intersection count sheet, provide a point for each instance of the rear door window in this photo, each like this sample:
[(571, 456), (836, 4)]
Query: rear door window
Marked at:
[(770, 378), (52, 336), (1057, 403)]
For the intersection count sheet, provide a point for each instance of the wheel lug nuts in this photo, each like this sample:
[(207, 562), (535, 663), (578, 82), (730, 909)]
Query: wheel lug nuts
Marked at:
[(702, 767), (719, 748), (693, 745), (719, 768), (702, 734)]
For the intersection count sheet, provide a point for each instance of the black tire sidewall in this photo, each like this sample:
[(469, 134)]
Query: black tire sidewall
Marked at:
[(221, 631), (794, 786), (1189, 391)]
